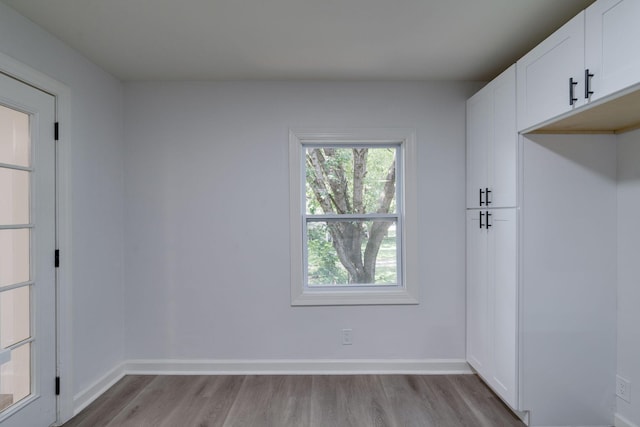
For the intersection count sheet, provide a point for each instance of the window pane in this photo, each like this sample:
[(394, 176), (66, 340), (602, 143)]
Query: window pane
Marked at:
[(352, 253), (14, 191), (15, 377), (14, 137), (14, 256), (350, 180), (14, 316)]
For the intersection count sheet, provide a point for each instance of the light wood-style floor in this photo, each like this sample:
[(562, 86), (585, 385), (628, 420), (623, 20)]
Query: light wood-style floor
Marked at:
[(298, 401)]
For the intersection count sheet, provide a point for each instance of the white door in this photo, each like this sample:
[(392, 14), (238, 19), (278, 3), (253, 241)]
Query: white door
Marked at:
[(546, 73), (612, 36), (27, 248)]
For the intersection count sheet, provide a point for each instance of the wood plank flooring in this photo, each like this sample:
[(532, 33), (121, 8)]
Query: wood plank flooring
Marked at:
[(297, 401)]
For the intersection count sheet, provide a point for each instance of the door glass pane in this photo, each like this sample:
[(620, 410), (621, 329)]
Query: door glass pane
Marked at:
[(14, 188), (14, 316), (14, 256), (15, 376), (14, 137)]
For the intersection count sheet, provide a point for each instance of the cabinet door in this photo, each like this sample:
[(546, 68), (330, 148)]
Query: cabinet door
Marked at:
[(612, 36), (479, 133), (504, 141), (477, 294), (502, 273), (491, 143), (544, 73)]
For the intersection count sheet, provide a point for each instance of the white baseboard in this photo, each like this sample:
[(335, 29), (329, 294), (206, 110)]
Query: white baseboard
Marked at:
[(620, 421), (297, 367), (95, 390)]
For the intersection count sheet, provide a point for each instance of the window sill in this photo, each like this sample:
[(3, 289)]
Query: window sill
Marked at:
[(353, 297)]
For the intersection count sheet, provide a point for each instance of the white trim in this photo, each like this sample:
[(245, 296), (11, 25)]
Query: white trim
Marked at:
[(62, 93), (352, 296), (620, 421), (407, 294), (95, 390), (296, 367)]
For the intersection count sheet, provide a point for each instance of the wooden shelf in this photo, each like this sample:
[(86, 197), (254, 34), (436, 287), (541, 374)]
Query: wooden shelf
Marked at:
[(618, 115)]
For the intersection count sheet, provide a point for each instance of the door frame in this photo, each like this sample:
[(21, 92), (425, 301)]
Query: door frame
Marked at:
[(64, 336)]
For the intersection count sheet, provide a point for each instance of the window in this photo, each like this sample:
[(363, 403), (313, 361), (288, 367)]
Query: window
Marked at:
[(353, 217)]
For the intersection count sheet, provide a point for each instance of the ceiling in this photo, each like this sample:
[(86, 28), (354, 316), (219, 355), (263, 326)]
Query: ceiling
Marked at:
[(301, 39)]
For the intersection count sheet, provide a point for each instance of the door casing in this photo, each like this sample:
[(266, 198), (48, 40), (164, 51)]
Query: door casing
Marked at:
[(64, 338)]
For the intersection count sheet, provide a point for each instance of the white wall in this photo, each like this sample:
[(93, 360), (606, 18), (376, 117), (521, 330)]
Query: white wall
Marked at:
[(207, 279), (567, 271), (629, 271), (206, 220), (96, 189)]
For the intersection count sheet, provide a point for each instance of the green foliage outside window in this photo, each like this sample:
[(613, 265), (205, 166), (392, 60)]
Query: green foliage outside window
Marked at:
[(359, 181)]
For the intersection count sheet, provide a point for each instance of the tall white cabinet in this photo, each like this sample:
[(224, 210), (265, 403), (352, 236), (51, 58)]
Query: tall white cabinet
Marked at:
[(541, 272), (491, 234)]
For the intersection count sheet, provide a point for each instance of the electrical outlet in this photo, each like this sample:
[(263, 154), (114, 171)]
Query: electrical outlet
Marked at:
[(347, 336), (623, 388)]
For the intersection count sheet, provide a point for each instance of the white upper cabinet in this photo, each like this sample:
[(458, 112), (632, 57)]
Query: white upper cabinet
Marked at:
[(479, 130), (612, 36), (590, 58), (492, 144), (551, 76)]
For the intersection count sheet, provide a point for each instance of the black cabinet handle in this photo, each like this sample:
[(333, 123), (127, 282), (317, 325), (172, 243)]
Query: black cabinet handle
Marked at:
[(488, 216), (486, 197), (572, 100), (481, 193), (481, 215), (587, 84)]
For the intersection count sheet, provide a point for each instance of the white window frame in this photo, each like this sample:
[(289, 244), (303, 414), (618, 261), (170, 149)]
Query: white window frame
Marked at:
[(406, 291)]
